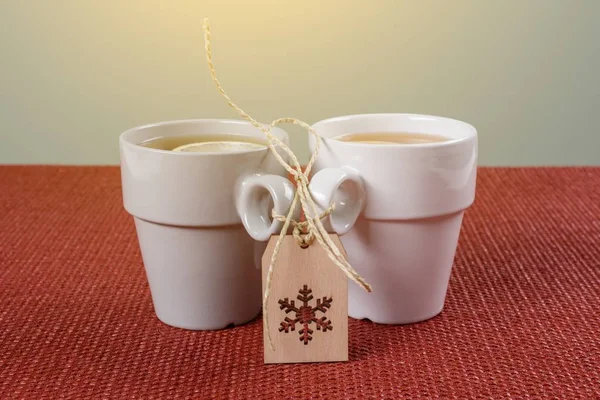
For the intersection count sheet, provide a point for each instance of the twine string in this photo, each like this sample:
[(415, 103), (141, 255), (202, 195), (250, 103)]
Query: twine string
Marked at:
[(312, 228), (300, 229)]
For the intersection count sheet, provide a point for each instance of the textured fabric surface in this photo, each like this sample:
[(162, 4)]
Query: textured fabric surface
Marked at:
[(522, 315)]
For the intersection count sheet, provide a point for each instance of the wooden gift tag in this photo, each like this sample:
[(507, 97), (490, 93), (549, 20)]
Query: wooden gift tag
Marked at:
[(308, 305)]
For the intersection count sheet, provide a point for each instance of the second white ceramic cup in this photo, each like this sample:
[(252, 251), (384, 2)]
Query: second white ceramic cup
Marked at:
[(411, 199), (191, 213)]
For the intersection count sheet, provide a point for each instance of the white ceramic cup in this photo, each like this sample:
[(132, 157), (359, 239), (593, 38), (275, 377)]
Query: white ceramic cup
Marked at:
[(411, 199), (191, 212)]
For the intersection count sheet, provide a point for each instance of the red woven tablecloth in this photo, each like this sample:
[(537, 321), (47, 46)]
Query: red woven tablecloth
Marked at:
[(522, 316)]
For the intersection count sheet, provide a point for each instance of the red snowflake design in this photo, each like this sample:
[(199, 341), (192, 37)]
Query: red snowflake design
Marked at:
[(305, 314)]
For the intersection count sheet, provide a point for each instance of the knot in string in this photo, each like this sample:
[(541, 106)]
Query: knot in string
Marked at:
[(312, 228), (300, 229)]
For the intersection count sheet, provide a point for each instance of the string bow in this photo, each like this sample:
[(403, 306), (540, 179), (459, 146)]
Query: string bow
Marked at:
[(312, 227)]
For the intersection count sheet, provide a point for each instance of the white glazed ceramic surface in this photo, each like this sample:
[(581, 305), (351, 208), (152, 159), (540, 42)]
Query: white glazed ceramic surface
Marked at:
[(202, 266), (414, 197)]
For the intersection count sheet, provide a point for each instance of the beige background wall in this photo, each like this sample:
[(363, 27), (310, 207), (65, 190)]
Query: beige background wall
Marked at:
[(75, 73)]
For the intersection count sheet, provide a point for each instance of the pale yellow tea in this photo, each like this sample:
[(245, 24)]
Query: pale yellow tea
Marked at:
[(221, 143), (392, 138)]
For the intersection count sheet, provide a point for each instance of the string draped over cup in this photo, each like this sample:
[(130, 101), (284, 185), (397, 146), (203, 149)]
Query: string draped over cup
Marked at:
[(312, 228)]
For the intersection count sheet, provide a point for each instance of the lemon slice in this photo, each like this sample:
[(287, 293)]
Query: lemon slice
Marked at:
[(219, 147)]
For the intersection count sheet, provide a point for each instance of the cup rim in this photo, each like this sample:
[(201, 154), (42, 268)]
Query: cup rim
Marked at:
[(124, 140), (471, 132)]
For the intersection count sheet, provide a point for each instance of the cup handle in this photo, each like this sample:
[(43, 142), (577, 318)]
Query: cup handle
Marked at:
[(258, 196), (344, 188)]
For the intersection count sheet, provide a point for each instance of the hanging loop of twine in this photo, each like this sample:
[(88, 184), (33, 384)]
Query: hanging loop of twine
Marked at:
[(312, 228)]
